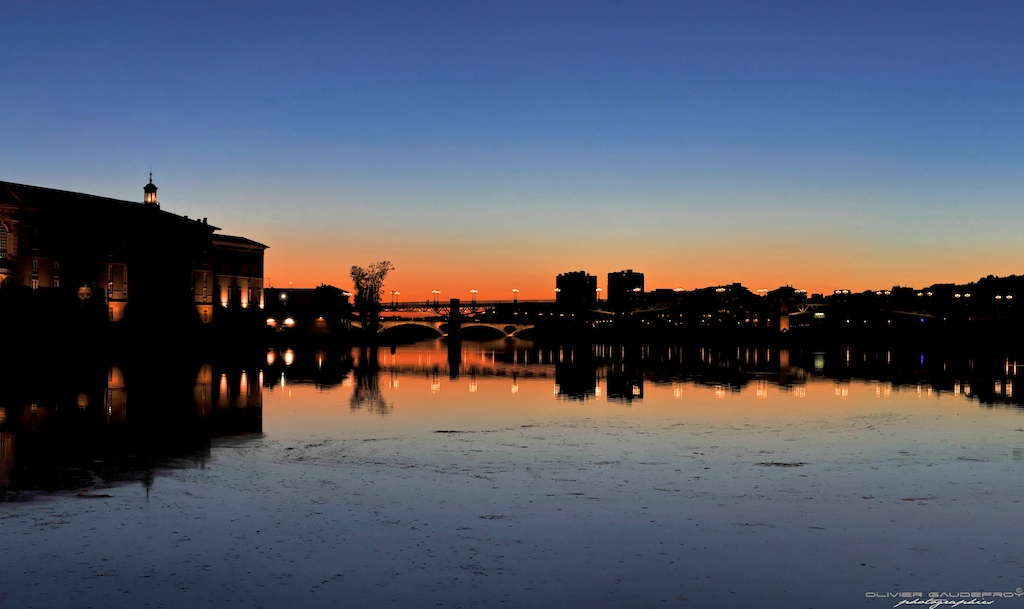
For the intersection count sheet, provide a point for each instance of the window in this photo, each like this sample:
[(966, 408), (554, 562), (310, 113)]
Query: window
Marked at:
[(3, 241), (35, 284), (35, 266), (56, 282)]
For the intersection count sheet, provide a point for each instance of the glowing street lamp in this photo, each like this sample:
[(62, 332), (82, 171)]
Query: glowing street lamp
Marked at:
[(474, 291), (515, 295), (599, 290), (435, 293)]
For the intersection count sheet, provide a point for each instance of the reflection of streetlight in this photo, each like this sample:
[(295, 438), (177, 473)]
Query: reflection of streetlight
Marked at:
[(474, 291), (435, 293), (515, 295)]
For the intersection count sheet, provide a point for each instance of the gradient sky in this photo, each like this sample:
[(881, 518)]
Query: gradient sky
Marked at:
[(493, 145)]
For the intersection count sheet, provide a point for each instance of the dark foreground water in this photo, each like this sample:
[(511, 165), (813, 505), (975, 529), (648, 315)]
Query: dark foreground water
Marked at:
[(496, 474)]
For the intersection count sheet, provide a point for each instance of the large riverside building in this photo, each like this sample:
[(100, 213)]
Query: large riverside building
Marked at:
[(138, 261)]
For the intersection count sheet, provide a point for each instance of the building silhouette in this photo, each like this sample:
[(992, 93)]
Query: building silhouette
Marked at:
[(575, 290), (625, 289), (127, 259)]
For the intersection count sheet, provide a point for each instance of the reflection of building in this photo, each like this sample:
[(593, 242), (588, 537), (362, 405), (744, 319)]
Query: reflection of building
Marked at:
[(132, 258), (575, 289), (625, 289)]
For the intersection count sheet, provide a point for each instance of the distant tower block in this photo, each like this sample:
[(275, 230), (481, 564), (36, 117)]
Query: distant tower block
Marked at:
[(150, 192)]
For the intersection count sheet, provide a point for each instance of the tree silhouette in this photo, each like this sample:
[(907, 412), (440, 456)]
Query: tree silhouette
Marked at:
[(368, 283)]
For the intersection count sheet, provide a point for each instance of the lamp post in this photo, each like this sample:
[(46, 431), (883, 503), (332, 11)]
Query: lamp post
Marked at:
[(435, 293), (515, 295), (599, 290), (473, 291)]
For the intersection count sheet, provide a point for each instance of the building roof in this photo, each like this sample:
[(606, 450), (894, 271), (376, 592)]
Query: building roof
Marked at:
[(237, 242), (53, 200)]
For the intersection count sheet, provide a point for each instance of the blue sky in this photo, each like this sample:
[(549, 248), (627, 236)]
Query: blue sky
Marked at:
[(821, 144)]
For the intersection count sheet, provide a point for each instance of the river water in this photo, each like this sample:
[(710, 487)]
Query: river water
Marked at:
[(497, 473)]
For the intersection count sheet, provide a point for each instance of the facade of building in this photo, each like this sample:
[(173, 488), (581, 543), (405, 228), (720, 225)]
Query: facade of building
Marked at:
[(133, 259)]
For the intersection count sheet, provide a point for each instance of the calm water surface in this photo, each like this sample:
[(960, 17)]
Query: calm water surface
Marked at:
[(499, 473)]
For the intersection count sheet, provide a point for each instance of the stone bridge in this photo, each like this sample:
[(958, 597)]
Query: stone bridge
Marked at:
[(442, 326)]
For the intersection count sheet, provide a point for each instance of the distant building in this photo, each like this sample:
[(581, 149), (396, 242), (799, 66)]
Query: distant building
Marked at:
[(625, 289), (575, 290), (308, 310), (137, 260)]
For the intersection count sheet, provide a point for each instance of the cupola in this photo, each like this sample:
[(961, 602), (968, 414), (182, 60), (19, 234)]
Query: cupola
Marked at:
[(150, 192)]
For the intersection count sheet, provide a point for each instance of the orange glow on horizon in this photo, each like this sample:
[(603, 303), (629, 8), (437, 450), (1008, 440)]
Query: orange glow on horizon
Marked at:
[(817, 266)]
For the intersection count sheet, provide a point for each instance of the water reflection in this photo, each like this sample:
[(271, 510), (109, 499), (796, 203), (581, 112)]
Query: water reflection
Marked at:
[(366, 392), (72, 424), (623, 374), (76, 424)]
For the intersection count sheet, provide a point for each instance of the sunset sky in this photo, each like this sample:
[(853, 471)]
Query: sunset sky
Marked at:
[(493, 145)]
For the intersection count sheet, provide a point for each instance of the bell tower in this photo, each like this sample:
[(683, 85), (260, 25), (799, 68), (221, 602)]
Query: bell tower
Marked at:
[(149, 191)]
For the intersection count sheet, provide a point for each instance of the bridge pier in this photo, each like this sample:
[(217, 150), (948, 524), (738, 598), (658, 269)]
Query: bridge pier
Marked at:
[(454, 320), (454, 339)]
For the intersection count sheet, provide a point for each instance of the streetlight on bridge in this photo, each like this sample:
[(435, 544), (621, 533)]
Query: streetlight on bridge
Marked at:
[(599, 290), (435, 293), (515, 295), (474, 291)]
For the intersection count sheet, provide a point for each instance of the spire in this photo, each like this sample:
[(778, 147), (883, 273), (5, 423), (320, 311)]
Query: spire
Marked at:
[(149, 192)]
